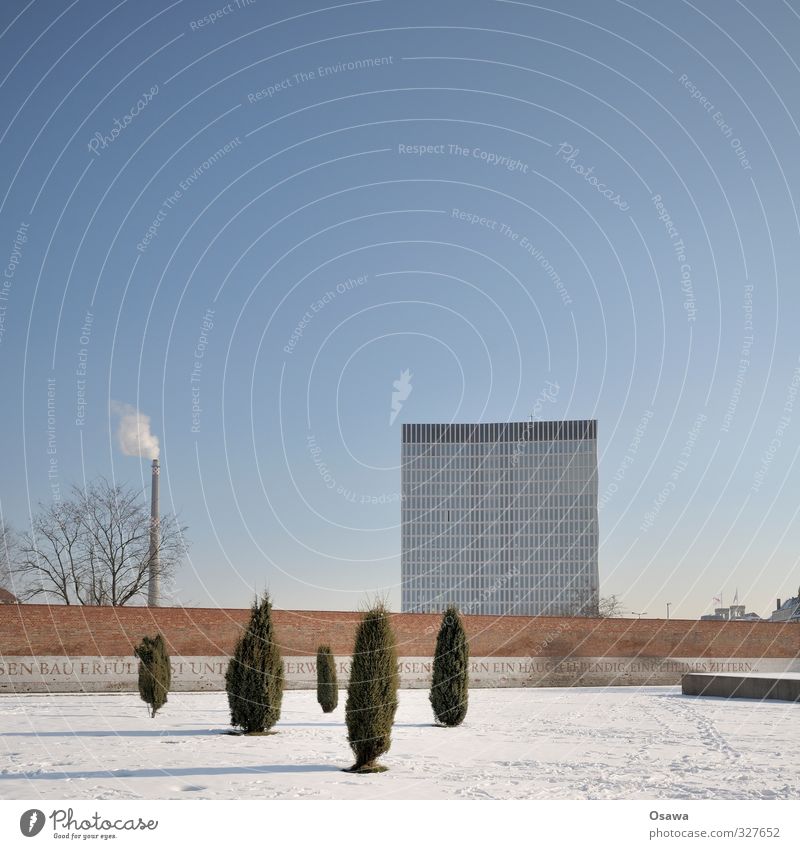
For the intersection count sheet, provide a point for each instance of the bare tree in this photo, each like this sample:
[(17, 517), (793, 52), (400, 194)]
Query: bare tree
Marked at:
[(587, 603), (50, 561), (610, 607), (94, 548), (584, 602)]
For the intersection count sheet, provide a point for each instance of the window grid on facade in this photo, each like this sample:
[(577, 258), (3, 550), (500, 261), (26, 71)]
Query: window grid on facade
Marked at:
[(500, 518)]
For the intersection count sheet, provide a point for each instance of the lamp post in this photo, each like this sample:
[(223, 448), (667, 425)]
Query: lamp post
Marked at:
[(669, 604), (639, 615)]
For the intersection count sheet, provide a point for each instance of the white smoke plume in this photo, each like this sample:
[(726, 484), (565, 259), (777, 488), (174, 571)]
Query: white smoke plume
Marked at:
[(133, 433)]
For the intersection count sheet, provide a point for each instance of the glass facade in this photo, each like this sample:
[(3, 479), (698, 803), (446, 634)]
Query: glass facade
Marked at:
[(500, 518)]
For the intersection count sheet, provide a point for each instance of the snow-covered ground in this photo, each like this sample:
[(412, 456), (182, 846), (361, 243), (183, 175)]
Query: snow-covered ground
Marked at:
[(631, 743)]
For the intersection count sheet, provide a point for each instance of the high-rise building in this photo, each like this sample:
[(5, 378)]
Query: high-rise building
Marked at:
[(500, 518)]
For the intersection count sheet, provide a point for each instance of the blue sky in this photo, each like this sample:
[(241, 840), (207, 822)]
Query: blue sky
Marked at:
[(494, 196)]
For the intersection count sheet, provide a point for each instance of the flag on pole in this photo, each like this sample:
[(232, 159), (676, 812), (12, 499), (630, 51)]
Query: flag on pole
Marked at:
[(717, 600)]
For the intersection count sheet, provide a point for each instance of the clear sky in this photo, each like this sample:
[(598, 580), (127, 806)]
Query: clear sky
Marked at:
[(249, 221)]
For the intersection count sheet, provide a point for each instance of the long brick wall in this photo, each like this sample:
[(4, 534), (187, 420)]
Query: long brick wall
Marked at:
[(98, 643), (38, 629)]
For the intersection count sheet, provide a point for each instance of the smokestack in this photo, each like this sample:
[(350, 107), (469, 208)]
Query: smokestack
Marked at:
[(154, 587)]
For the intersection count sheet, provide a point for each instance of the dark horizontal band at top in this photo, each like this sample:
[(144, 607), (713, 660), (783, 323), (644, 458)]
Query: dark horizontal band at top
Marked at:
[(536, 431)]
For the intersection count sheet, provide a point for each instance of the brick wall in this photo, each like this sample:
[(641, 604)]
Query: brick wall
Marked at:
[(34, 630)]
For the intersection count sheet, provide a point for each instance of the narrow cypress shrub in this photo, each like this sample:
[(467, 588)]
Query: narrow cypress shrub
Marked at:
[(372, 690), (327, 688), (254, 679), (155, 674), (450, 684)]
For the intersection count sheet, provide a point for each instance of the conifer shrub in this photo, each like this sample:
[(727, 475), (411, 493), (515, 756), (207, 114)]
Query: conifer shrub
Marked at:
[(254, 678), (327, 687), (155, 675), (372, 690), (450, 683)]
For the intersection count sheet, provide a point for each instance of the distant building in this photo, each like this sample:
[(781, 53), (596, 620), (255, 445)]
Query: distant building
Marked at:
[(500, 518), (789, 611), (727, 614)]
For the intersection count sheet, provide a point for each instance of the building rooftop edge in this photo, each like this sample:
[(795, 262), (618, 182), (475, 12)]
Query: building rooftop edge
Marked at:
[(515, 431), (510, 422)]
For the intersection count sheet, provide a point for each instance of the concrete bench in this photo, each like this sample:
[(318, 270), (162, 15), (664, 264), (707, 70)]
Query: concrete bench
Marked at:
[(783, 686)]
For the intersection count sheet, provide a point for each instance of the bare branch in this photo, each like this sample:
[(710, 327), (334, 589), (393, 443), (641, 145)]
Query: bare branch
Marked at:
[(94, 548), (611, 606), (8, 544)]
